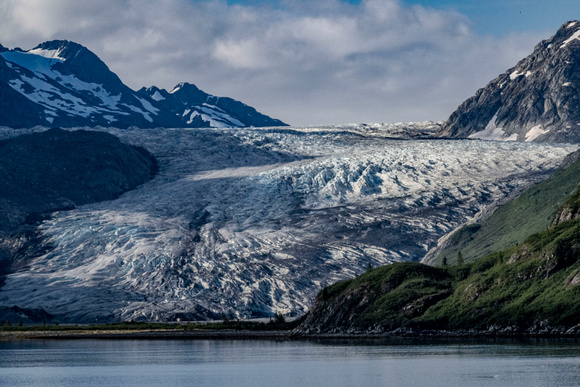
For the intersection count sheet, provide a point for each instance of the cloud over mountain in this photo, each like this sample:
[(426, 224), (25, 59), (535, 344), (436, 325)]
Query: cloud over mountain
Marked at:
[(326, 62)]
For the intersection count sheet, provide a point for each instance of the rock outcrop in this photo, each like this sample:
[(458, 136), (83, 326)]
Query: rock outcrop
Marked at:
[(537, 100)]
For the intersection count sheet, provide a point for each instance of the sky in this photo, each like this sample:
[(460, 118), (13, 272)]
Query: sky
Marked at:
[(304, 62)]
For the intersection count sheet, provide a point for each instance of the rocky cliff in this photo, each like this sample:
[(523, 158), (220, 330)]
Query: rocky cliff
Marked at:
[(537, 100)]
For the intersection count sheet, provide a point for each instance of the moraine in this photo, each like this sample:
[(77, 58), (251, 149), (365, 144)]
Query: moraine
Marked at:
[(255, 221)]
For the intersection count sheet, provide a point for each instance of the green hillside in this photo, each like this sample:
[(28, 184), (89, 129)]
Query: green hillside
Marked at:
[(514, 221), (530, 288)]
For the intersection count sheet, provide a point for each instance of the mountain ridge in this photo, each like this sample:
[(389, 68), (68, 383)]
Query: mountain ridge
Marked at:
[(536, 100), (60, 83)]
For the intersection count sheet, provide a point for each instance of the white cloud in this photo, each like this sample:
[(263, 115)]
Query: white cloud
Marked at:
[(303, 62)]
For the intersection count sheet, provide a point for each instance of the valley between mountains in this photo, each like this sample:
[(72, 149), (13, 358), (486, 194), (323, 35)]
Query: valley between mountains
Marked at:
[(256, 221), (235, 214)]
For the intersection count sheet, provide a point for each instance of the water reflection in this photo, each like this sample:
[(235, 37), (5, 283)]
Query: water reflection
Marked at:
[(290, 363)]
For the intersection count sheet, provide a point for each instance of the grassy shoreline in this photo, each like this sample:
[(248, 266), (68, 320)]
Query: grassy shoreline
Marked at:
[(177, 332)]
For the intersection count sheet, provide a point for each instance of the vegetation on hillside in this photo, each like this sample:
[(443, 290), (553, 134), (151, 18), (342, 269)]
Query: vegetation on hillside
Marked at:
[(510, 225), (526, 288)]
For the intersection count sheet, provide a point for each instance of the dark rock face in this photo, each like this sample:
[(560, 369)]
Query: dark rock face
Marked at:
[(537, 100), (55, 170), (16, 315), (58, 169), (63, 84), (16, 110)]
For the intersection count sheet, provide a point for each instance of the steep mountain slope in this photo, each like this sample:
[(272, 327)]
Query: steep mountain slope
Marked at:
[(537, 100), (60, 169), (56, 170), (511, 223), (255, 221), (534, 288), (63, 84)]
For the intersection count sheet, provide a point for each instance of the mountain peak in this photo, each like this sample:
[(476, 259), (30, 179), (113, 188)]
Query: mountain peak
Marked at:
[(67, 51), (62, 83), (185, 87), (154, 93), (537, 100), (58, 46), (570, 31)]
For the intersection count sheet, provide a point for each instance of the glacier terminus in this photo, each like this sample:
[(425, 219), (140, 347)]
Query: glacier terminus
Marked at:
[(255, 221)]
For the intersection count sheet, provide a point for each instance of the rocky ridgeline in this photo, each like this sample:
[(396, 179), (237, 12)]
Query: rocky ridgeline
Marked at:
[(63, 84), (537, 100)]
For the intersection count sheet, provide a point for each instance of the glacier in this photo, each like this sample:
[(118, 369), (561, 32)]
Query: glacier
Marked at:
[(255, 221)]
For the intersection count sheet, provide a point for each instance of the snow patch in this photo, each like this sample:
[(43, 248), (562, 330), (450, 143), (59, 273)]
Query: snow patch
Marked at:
[(516, 74), (176, 88), (218, 118), (137, 110), (192, 117), (157, 96), (34, 63), (575, 36), (49, 96), (50, 54), (147, 105), (493, 132)]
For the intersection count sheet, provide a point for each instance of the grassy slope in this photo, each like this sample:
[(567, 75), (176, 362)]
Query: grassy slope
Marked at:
[(514, 221), (538, 281), (535, 284), (380, 294)]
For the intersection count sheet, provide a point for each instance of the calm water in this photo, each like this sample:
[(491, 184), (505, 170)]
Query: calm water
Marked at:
[(282, 363)]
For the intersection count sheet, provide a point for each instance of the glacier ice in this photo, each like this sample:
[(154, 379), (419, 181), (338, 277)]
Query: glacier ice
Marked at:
[(255, 221)]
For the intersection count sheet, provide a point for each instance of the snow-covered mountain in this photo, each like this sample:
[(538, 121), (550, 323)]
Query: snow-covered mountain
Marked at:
[(63, 84), (537, 100), (255, 221), (197, 109)]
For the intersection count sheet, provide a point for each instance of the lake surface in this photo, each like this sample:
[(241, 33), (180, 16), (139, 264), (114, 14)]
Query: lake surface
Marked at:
[(289, 363)]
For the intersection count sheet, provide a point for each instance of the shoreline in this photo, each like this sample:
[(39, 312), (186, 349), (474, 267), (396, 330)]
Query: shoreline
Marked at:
[(265, 335)]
